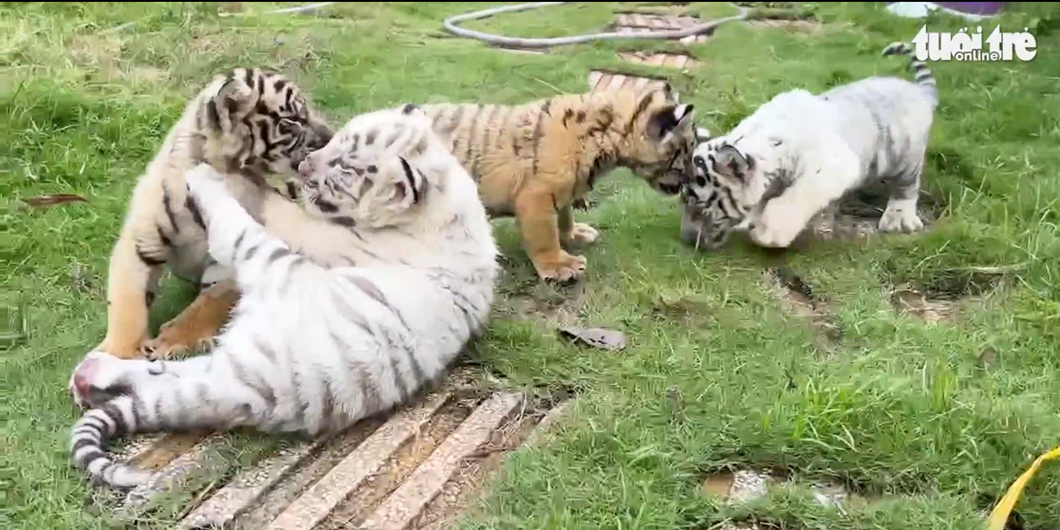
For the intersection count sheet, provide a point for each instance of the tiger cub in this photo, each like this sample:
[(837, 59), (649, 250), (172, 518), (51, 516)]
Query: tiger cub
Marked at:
[(250, 122), (799, 153), (536, 160), (314, 349)]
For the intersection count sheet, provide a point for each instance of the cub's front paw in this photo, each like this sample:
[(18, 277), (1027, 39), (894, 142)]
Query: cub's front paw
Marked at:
[(565, 268), (778, 226), (582, 233), (900, 220)]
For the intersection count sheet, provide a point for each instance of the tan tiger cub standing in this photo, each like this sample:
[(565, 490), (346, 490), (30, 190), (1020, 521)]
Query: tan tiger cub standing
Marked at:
[(313, 348), (536, 160), (249, 122)]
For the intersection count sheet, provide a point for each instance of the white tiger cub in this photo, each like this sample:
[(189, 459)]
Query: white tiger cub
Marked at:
[(314, 349), (800, 152)]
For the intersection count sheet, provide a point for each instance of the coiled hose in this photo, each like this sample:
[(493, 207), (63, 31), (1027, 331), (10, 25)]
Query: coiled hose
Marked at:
[(516, 42)]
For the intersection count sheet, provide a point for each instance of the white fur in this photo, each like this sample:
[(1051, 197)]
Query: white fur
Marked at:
[(816, 148), (316, 349)]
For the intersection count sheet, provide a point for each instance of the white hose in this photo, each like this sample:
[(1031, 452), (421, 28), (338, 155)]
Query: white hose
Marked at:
[(515, 42)]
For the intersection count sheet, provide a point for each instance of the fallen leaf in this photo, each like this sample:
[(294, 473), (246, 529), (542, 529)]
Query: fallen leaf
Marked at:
[(597, 337), (49, 200)]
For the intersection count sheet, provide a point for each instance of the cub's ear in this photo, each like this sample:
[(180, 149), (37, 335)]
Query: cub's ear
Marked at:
[(729, 161), (671, 95), (233, 102), (670, 121), (702, 135)]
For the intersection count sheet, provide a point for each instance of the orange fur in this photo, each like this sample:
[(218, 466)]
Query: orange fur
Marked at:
[(222, 126), (537, 160)]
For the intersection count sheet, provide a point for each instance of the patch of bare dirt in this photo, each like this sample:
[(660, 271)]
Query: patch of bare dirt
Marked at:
[(744, 485), (857, 215), (538, 301), (908, 300), (942, 299), (804, 303)]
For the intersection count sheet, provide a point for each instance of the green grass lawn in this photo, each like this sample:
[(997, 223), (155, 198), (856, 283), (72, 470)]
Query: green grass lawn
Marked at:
[(717, 374)]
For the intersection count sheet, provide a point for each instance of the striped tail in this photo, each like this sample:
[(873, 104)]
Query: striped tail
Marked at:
[(89, 435), (921, 71)]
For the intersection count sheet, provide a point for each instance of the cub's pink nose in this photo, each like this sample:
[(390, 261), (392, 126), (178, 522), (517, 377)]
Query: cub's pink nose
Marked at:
[(305, 168)]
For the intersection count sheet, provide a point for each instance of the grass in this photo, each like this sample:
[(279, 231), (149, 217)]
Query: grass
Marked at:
[(717, 373)]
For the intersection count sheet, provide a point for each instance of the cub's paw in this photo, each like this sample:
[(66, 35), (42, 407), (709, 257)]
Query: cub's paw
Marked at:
[(582, 233), (166, 346), (563, 270), (100, 377), (778, 226), (900, 220)]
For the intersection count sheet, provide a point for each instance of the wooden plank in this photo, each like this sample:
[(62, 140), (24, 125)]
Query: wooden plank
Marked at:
[(403, 506), (368, 459)]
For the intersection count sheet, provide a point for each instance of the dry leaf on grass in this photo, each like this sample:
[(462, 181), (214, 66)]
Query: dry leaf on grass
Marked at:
[(597, 337)]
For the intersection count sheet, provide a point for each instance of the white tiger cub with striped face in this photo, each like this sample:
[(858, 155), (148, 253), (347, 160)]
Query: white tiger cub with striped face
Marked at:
[(800, 152), (315, 349)]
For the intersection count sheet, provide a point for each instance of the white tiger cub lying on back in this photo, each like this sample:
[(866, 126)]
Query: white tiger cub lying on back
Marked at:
[(310, 348), (800, 152)]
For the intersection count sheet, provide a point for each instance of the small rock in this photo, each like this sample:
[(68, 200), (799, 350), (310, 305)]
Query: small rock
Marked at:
[(748, 485)]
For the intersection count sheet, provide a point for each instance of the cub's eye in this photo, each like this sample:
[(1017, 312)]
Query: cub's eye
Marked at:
[(701, 181), (288, 126)]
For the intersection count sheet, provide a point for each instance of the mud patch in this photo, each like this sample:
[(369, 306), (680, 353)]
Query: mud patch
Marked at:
[(857, 214), (907, 300), (560, 307), (747, 485), (802, 302), (601, 80), (942, 298), (669, 60)]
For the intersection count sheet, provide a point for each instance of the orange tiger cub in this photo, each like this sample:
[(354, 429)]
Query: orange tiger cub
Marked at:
[(252, 123), (536, 160)]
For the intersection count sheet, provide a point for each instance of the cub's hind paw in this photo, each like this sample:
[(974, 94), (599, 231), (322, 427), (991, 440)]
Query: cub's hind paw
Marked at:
[(100, 377)]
